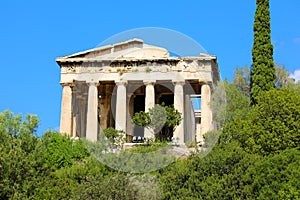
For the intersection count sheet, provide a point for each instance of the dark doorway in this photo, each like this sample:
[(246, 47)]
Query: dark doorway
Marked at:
[(139, 105), (168, 99)]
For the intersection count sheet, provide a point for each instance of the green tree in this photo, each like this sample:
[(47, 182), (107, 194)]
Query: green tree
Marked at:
[(274, 177), (228, 101), (19, 168), (242, 79), (294, 86), (216, 176), (158, 117), (61, 151), (271, 126), (282, 77), (263, 70), (141, 119)]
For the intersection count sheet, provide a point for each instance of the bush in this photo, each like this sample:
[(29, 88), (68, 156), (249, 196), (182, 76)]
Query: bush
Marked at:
[(60, 151), (275, 177), (211, 138), (110, 134), (271, 126)]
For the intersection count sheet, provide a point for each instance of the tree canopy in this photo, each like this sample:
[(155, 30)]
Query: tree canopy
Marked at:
[(263, 71)]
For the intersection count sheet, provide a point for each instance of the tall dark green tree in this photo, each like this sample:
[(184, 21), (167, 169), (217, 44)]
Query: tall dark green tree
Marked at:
[(263, 70)]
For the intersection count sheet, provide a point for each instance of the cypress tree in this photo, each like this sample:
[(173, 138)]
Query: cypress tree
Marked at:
[(263, 69)]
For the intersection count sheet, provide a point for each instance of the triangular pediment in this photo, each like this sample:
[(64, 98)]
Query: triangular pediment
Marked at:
[(130, 49)]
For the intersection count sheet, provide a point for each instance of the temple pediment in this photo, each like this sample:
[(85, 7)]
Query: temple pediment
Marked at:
[(127, 50)]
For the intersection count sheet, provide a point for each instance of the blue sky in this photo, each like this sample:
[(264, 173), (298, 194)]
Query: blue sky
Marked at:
[(34, 33)]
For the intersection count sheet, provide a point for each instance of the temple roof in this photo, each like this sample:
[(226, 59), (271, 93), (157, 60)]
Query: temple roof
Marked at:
[(130, 50)]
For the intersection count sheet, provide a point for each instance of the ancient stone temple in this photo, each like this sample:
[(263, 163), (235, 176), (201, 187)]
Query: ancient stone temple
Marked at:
[(105, 86)]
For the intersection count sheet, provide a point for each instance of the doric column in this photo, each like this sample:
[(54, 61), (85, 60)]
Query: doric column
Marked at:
[(130, 110), (74, 127), (179, 105), (92, 112), (121, 106), (206, 113), (149, 103), (66, 109)]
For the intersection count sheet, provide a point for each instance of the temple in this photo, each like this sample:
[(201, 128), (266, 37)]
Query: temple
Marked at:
[(105, 86)]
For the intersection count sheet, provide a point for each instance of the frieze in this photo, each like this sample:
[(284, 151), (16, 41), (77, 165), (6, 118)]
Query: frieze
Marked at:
[(121, 67)]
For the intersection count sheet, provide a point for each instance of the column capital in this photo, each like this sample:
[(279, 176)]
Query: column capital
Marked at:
[(130, 95), (92, 83), (121, 82), (70, 84), (205, 82), (178, 82), (149, 82)]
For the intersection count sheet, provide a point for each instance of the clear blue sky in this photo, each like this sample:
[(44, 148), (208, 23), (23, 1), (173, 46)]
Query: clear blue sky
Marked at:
[(34, 33)]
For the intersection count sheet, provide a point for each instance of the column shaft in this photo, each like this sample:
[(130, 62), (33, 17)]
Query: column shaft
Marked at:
[(206, 113), (149, 103), (130, 111), (92, 113), (121, 106), (66, 109), (179, 105)]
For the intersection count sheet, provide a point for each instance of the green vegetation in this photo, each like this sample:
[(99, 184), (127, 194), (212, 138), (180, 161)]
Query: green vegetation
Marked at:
[(242, 79), (158, 117), (255, 155), (271, 126), (228, 102), (113, 136), (263, 71)]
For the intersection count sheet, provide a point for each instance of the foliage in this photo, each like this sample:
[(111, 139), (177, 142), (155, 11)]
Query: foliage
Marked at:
[(228, 102), (137, 161), (211, 138), (141, 119), (257, 157), (154, 146), (294, 86), (17, 155), (61, 151), (113, 135), (276, 177), (271, 126), (173, 117), (99, 187), (242, 79), (158, 117), (120, 186), (282, 77), (263, 71), (216, 176), (229, 172), (110, 133), (145, 186)]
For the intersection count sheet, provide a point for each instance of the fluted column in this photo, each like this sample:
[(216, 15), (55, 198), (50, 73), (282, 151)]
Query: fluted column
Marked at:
[(66, 109), (179, 105), (149, 103), (92, 112), (206, 113), (121, 106)]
